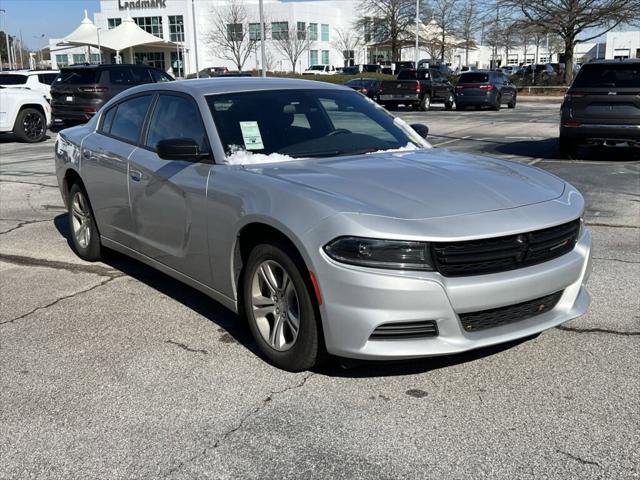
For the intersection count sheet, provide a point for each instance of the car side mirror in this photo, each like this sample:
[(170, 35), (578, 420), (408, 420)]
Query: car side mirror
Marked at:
[(178, 149), (421, 129)]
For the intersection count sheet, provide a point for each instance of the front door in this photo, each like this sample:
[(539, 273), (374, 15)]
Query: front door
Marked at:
[(168, 197)]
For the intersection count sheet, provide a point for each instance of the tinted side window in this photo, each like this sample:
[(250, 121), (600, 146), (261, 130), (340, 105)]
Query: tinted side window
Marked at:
[(407, 75), (175, 117), (121, 76), (159, 76), (107, 119), (129, 117), (141, 75)]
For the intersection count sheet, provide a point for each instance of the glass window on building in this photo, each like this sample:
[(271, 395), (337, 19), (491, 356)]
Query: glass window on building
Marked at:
[(95, 58), (177, 64), (113, 22), (176, 28), (313, 57), (234, 32), (279, 30), (301, 28), (543, 59), (313, 31), (153, 25), (325, 57), (62, 60), (153, 59), (512, 60), (254, 32), (324, 31), (79, 58)]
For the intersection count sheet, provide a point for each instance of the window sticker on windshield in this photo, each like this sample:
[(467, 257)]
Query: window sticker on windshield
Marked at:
[(251, 136)]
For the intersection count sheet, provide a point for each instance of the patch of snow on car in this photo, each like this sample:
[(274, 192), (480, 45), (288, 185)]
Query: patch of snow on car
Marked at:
[(244, 157)]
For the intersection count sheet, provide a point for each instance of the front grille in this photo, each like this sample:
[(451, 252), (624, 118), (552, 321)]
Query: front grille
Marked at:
[(495, 317), (403, 330), (500, 254)]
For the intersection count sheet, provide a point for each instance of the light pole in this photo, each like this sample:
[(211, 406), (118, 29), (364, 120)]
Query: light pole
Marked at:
[(262, 35), (6, 38), (195, 37), (99, 47), (417, 55)]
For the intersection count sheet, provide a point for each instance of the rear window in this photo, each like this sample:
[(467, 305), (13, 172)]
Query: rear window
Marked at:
[(474, 77), (608, 76), (9, 79), (76, 76), (47, 78), (407, 75)]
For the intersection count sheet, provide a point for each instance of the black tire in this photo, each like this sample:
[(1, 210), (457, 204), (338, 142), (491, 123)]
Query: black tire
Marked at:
[(30, 126), (448, 105), (425, 103), (390, 106), (460, 107), (496, 106), (512, 103), (91, 250), (307, 348), (568, 147)]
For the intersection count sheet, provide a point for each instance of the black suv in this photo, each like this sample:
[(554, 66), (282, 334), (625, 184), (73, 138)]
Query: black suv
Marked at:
[(79, 91), (485, 89), (434, 87), (602, 106)]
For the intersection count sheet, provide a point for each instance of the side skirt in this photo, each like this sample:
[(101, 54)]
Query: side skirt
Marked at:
[(229, 303)]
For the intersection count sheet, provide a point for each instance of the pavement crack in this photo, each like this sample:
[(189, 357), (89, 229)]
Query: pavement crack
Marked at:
[(616, 260), (187, 348), (578, 459), (225, 435), (58, 300), (598, 330), (96, 269), (27, 183), (22, 223)]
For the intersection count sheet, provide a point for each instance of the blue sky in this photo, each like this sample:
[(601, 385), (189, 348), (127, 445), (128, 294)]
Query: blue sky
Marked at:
[(53, 18)]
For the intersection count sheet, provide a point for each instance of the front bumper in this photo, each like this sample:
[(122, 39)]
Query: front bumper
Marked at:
[(357, 300)]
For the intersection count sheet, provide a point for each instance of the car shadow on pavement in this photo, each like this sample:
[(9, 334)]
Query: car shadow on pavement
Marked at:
[(187, 296), (238, 331), (548, 149)]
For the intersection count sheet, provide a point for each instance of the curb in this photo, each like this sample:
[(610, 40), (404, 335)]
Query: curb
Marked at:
[(539, 99)]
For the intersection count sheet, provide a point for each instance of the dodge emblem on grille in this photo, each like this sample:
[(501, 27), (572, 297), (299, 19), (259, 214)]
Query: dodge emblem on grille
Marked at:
[(541, 307), (520, 239)]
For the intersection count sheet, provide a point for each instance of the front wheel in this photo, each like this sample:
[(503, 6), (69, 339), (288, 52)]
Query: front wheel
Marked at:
[(279, 307), (85, 238), (512, 103), (448, 105), (30, 126)]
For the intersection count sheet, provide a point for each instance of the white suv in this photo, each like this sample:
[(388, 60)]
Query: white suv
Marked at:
[(320, 70), (36, 80), (25, 113)]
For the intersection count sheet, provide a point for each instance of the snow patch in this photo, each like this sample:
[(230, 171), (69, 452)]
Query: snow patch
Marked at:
[(240, 156)]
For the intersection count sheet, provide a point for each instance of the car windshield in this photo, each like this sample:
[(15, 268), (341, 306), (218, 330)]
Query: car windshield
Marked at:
[(11, 79), (608, 75), (317, 67), (306, 123), (77, 75), (475, 77)]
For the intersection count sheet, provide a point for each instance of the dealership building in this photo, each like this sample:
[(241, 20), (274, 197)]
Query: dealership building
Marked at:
[(321, 23)]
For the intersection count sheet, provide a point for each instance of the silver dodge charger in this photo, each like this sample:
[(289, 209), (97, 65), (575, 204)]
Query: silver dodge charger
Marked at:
[(330, 225)]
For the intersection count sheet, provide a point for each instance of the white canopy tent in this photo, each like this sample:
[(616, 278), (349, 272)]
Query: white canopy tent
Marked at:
[(124, 37)]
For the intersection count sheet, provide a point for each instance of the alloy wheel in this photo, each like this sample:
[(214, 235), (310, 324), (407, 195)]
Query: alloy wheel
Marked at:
[(33, 126), (81, 220), (275, 306)]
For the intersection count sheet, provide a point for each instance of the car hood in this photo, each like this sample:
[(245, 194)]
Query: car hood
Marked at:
[(419, 184)]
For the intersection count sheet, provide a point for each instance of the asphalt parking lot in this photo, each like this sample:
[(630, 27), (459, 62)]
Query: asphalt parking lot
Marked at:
[(113, 370)]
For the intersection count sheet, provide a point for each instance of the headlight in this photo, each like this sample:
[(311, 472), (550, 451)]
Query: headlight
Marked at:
[(370, 252)]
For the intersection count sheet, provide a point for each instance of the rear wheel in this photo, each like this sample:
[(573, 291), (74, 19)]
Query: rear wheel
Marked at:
[(279, 307), (512, 103), (84, 233), (459, 107), (568, 147), (30, 126), (425, 103), (496, 106)]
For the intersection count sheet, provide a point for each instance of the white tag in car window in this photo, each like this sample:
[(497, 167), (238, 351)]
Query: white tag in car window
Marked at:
[(251, 136)]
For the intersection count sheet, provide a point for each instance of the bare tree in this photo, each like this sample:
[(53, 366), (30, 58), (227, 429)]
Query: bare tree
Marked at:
[(387, 21), (290, 42), (346, 40), (570, 19), (444, 14), (468, 26), (229, 34)]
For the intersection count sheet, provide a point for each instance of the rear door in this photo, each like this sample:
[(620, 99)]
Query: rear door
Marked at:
[(606, 93), (168, 197), (105, 166)]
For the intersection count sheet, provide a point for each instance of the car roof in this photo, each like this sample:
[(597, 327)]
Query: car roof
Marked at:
[(616, 62), (92, 66), (207, 86)]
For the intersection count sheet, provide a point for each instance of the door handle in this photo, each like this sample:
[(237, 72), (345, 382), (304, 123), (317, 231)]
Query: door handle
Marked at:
[(135, 175)]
